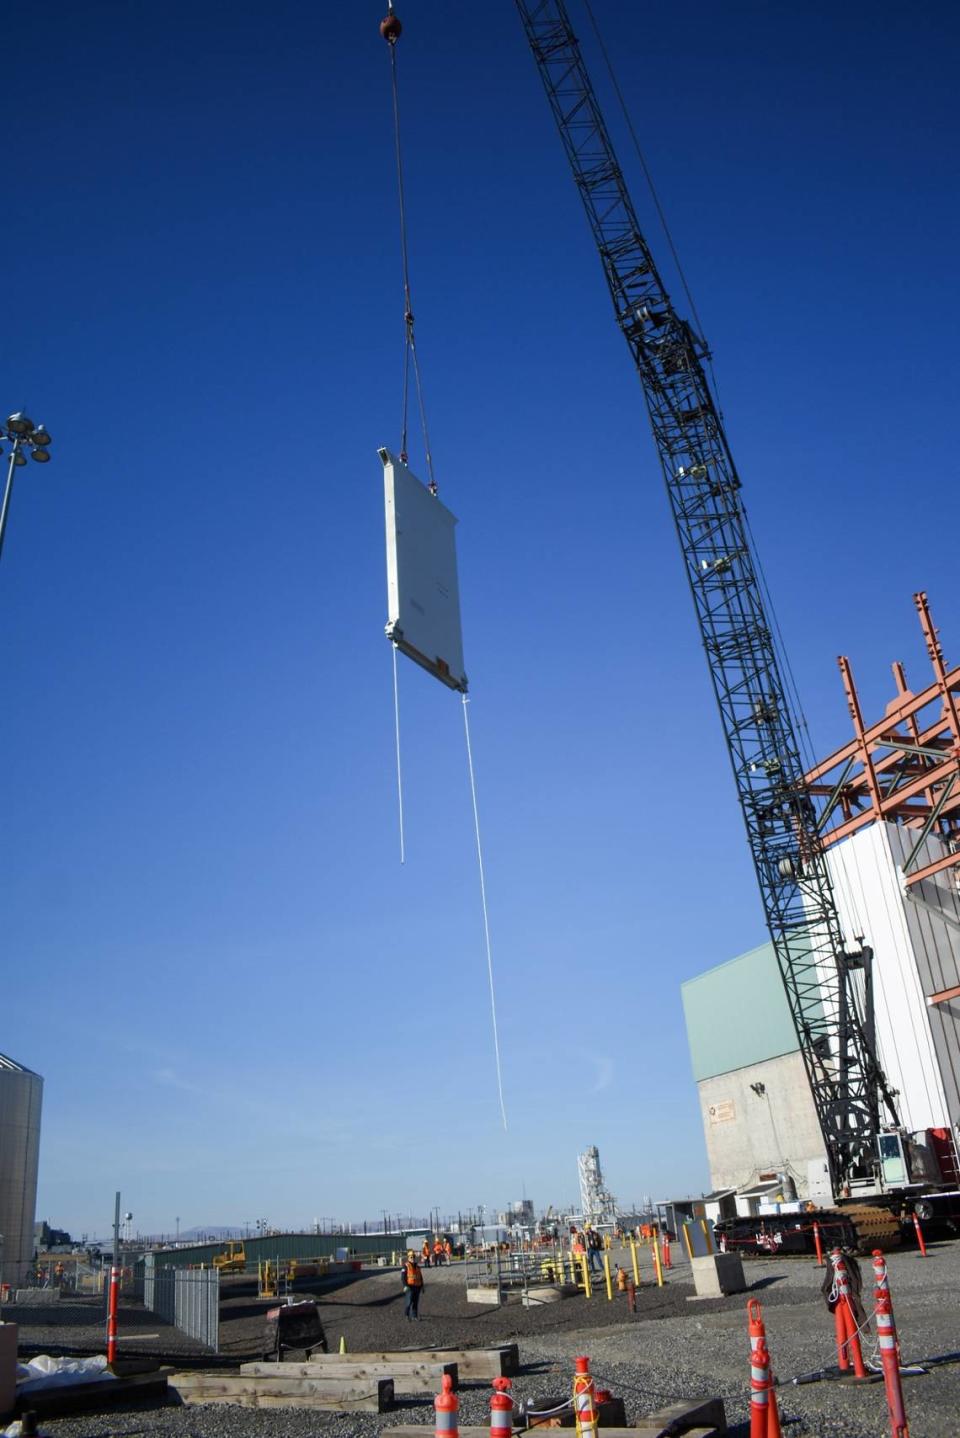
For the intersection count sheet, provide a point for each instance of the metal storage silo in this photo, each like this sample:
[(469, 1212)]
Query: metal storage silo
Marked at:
[(21, 1095)]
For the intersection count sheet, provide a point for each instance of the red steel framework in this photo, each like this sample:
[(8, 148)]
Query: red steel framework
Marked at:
[(905, 768)]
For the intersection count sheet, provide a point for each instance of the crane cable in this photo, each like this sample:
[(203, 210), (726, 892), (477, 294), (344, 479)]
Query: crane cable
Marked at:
[(390, 29)]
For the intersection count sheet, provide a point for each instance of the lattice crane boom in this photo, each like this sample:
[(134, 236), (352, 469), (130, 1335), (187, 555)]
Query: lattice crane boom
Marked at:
[(704, 492)]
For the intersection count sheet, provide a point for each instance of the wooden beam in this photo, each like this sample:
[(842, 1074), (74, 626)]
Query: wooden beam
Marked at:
[(500, 1362), (341, 1394), (409, 1376)]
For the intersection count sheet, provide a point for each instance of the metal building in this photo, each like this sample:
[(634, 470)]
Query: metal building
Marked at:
[(888, 805), (21, 1096)]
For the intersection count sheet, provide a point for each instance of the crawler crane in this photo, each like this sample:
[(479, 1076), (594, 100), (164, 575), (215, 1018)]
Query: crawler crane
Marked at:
[(856, 1109)]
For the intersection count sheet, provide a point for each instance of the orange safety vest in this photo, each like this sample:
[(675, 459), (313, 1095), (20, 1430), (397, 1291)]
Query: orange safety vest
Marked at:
[(438, 1247), (425, 1250), (576, 1243), (412, 1277), (448, 1248)]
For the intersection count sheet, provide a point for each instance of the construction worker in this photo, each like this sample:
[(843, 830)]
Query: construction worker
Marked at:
[(412, 1287), (594, 1247), (425, 1253), (438, 1253), (447, 1250)]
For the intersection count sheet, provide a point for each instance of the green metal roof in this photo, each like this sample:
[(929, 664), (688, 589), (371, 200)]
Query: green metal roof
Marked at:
[(737, 1014)]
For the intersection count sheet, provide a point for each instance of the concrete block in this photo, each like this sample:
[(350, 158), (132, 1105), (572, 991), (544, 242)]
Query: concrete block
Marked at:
[(37, 1297), (491, 1296), (8, 1367), (717, 1275)]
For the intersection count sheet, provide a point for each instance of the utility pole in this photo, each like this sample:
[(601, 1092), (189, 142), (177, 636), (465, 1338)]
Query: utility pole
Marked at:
[(21, 431)]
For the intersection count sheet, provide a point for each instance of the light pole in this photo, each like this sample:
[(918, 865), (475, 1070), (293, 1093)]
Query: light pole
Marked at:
[(22, 433)]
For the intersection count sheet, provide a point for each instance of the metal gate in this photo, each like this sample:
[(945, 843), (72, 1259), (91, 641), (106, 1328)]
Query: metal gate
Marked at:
[(189, 1298)]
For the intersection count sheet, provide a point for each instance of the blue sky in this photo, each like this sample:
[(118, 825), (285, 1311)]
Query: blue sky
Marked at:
[(241, 1004)]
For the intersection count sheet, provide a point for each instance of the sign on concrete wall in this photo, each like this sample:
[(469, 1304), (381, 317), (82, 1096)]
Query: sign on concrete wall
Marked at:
[(723, 1111)]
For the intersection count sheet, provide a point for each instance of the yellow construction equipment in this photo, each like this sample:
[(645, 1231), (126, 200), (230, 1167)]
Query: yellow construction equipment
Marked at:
[(233, 1259)]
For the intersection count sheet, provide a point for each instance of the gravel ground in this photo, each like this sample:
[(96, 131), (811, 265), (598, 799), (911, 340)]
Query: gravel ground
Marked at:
[(674, 1348)]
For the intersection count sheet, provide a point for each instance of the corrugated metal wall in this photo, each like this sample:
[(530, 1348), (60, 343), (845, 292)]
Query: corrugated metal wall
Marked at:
[(936, 946), (285, 1245), (21, 1098), (867, 886)]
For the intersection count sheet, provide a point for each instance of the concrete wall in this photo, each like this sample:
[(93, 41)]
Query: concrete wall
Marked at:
[(749, 1133)]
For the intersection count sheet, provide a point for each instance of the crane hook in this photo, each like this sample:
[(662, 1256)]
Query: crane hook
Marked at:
[(390, 26)]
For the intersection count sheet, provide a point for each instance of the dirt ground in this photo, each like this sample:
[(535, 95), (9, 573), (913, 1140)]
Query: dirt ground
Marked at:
[(673, 1347)]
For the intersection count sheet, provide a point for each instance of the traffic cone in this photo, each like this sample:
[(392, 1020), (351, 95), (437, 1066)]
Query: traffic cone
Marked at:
[(845, 1323), (501, 1409), (666, 1251), (919, 1232), (584, 1399), (889, 1349), (447, 1407), (343, 1344), (764, 1412)]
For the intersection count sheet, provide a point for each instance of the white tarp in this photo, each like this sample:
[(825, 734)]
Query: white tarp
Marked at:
[(423, 597)]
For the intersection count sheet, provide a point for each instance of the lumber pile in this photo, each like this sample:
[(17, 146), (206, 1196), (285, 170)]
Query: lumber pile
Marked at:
[(347, 1382)]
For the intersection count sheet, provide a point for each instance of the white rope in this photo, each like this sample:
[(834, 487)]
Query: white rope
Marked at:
[(396, 718), (483, 900)]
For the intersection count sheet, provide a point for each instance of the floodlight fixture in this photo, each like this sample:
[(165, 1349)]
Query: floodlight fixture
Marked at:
[(20, 423)]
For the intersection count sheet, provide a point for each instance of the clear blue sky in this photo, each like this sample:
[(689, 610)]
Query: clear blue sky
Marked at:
[(241, 1004)]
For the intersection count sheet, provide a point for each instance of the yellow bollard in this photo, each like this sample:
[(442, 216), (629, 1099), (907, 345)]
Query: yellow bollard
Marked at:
[(588, 1291), (656, 1261), (706, 1233), (687, 1240), (636, 1265), (606, 1274)]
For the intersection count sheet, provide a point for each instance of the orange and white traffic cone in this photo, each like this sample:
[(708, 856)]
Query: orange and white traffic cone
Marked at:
[(845, 1323), (501, 1409), (763, 1409), (889, 1349), (447, 1406), (666, 1251), (584, 1399)]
